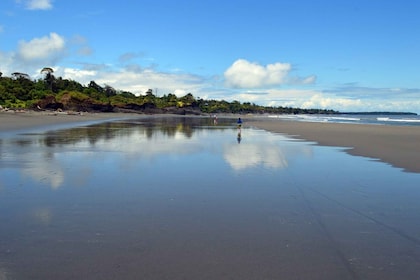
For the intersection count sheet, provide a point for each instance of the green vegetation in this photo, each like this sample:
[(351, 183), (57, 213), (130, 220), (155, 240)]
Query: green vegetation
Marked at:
[(51, 93)]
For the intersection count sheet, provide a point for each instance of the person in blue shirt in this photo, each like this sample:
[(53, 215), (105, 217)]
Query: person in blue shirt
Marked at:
[(239, 122)]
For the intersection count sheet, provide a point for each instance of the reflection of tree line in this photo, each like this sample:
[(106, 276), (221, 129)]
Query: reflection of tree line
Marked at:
[(109, 130)]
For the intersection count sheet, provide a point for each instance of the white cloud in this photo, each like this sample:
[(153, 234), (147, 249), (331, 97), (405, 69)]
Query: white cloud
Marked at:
[(137, 81), (245, 74), (47, 48), (77, 74), (1, 28), (275, 97), (326, 102), (38, 4), (344, 100)]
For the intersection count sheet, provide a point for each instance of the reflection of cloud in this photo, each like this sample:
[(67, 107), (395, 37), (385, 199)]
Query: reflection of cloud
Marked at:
[(80, 160), (249, 155), (161, 144), (46, 171), (269, 150), (43, 216)]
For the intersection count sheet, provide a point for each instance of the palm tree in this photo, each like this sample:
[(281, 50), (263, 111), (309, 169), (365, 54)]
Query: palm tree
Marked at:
[(49, 77), (18, 75)]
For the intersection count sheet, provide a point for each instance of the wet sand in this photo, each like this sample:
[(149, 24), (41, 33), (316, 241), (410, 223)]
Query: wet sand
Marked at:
[(396, 145), (260, 225), (18, 121)]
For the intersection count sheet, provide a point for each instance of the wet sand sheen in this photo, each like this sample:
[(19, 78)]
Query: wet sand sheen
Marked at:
[(313, 221)]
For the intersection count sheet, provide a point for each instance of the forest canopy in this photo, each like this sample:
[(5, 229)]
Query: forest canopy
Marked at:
[(50, 93)]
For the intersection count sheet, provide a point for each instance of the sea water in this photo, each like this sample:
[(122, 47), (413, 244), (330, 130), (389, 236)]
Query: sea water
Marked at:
[(185, 198), (379, 119)]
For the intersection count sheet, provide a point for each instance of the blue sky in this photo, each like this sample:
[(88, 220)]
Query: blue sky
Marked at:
[(359, 55)]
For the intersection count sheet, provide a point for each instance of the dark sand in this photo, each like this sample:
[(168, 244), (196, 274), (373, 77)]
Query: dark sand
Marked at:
[(396, 145)]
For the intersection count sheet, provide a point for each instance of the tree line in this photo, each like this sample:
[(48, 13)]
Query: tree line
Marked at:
[(52, 93)]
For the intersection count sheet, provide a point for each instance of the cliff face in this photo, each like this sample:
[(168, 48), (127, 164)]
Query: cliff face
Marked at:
[(67, 102)]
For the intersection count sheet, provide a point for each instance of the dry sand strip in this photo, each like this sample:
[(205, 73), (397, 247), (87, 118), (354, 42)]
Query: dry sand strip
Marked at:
[(396, 145)]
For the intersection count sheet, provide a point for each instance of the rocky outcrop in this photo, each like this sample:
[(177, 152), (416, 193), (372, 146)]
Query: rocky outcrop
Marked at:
[(70, 103), (49, 103)]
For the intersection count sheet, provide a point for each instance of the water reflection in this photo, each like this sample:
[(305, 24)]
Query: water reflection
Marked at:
[(131, 195), (265, 150), (239, 136), (56, 156)]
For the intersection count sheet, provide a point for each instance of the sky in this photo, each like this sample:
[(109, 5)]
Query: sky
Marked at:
[(358, 55)]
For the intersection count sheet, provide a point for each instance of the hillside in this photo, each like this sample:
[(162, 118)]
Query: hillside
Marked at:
[(51, 93)]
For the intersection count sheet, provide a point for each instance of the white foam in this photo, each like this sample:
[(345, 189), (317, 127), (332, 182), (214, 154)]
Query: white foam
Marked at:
[(397, 120)]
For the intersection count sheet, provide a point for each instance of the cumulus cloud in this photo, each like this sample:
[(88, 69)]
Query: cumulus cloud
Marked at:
[(47, 48), (136, 80), (245, 74), (37, 4)]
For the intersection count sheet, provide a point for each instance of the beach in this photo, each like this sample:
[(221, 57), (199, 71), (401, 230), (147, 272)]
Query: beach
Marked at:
[(396, 145), (17, 121)]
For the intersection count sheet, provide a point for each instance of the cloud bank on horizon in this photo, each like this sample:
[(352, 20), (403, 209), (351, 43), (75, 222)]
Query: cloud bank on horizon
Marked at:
[(288, 57)]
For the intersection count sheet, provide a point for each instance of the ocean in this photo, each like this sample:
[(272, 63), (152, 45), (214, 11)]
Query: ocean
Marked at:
[(379, 119)]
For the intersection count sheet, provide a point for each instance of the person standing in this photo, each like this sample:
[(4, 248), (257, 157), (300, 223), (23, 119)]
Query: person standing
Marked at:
[(239, 122)]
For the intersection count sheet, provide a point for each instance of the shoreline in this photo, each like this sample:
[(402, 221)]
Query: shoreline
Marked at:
[(398, 146), (27, 120)]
